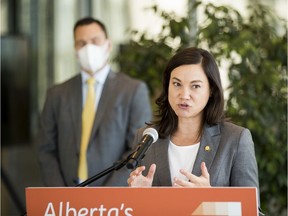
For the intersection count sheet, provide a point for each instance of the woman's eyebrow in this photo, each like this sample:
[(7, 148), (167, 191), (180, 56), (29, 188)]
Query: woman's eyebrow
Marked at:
[(193, 81), (176, 79)]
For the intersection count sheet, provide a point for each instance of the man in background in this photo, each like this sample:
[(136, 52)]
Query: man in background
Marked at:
[(89, 121)]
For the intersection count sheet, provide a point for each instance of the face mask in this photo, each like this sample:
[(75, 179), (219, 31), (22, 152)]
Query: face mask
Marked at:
[(92, 57)]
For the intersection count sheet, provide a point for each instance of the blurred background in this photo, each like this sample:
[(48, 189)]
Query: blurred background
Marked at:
[(248, 39)]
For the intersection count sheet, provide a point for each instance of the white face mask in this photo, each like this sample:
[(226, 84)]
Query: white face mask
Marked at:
[(92, 57)]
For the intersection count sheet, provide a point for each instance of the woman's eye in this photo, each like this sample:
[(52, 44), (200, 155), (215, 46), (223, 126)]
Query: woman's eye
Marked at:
[(176, 84), (196, 86)]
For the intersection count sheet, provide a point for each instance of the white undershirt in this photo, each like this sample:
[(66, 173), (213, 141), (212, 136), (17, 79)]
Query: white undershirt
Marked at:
[(181, 157)]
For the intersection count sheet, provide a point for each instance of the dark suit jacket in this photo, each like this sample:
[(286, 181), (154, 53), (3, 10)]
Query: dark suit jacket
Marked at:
[(124, 107), (230, 162)]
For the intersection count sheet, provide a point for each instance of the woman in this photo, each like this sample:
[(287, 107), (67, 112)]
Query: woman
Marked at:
[(196, 146)]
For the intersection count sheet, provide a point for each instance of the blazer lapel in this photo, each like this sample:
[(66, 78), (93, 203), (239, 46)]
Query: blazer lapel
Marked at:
[(103, 105), (161, 159), (208, 147), (75, 103)]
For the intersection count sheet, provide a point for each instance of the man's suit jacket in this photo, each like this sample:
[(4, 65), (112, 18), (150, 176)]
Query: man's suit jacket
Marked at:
[(230, 159), (124, 107)]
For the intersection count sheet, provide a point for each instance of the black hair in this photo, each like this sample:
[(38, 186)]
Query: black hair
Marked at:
[(90, 20), (166, 120)]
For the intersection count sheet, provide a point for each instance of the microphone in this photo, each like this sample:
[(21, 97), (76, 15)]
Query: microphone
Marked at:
[(150, 135)]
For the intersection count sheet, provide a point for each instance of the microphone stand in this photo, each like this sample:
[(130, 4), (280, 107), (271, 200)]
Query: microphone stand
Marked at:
[(116, 166)]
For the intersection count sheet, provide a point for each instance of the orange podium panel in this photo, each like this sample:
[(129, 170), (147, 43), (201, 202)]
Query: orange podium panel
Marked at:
[(153, 201)]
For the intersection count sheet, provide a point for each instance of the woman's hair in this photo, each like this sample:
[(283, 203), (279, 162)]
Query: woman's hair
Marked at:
[(166, 120)]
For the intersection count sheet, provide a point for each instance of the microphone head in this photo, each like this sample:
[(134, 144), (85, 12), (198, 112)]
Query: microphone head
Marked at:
[(152, 132)]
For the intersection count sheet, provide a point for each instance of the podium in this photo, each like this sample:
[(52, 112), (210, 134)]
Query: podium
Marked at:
[(152, 201)]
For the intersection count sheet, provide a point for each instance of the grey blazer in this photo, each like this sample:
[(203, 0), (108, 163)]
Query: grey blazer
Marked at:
[(124, 107), (230, 161)]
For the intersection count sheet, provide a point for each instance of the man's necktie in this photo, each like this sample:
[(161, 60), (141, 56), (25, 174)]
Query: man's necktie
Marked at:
[(88, 114)]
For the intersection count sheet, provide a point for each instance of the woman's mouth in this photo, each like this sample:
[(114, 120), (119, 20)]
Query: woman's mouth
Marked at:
[(183, 106)]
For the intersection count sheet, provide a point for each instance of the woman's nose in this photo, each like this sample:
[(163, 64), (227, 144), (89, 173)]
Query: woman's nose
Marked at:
[(185, 93)]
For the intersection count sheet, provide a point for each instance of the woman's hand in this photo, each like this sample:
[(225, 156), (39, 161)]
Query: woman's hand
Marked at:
[(194, 181), (136, 178)]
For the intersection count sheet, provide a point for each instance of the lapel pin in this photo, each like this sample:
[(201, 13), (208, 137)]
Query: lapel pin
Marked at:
[(207, 148)]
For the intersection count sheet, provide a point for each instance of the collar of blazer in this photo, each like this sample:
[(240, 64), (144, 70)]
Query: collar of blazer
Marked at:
[(208, 147), (105, 99), (74, 92)]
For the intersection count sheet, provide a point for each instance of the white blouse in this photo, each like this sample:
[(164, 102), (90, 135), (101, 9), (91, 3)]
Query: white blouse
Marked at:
[(181, 157)]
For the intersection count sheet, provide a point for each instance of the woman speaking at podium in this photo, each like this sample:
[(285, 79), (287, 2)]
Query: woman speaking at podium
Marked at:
[(197, 146)]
